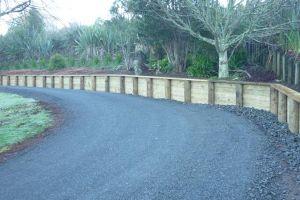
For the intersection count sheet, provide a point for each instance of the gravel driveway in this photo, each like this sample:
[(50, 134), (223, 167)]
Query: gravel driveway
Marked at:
[(113, 146)]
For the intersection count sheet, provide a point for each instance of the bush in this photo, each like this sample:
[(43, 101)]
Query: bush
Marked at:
[(43, 63), (118, 58), (95, 61), (162, 65), (107, 59), (200, 66), (57, 61), (238, 60), (70, 62)]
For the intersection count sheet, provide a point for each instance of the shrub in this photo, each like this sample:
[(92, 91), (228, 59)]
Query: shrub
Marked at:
[(107, 59), (118, 58), (57, 61), (70, 62), (162, 65), (95, 61), (200, 66), (43, 63), (238, 59)]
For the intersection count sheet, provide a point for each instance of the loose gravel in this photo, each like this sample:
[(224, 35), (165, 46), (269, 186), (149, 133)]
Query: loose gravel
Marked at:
[(278, 169)]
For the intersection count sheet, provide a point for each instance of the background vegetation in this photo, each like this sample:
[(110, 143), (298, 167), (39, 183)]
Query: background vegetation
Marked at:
[(150, 36)]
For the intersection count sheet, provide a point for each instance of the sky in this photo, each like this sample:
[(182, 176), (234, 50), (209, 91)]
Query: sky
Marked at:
[(70, 11)]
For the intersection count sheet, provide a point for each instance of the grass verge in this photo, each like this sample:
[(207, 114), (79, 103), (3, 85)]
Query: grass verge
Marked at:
[(20, 119)]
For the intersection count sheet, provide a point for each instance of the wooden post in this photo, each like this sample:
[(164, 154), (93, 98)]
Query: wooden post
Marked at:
[(282, 107), (34, 81), (25, 81), (278, 64), (297, 73), (290, 71), (122, 85), (106, 83), (17, 80), (71, 82), (211, 92), (94, 83), (274, 101), (168, 88), (44, 82), (135, 86), (52, 82), (61, 82), (293, 115), (239, 95), (283, 68), (149, 87), (187, 91), (82, 84), (8, 80), (274, 60), (1, 80)]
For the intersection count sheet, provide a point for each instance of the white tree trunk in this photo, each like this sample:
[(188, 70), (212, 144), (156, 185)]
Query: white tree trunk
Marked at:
[(223, 64)]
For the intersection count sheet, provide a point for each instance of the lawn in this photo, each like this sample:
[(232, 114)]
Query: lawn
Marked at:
[(20, 118)]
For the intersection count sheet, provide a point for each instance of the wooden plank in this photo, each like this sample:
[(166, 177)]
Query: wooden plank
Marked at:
[(81, 78), (287, 91), (290, 71), (17, 81), (13, 80), (158, 88), (199, 92), (71, 82), (128, 81), (61, 82), (142, 87), (274, 101), (88, 85), (8, 80), (293, 115), (187, 92), (211, 93), (52, 81), (115, 84), (1, 80), (33, 81), (282, 107), (168, 88), (225, 94), (256, 96), (177, 90), (239, 95)]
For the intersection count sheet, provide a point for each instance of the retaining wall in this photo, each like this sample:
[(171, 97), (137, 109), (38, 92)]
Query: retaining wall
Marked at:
[(275, 98)]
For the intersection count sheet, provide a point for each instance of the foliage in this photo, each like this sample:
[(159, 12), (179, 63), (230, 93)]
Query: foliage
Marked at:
[(200, 66), (57, 61), (162, 66), (291, 41), (238, 59), (21, 119)]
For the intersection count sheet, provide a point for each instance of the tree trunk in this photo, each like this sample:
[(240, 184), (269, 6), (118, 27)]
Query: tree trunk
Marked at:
[(223, 64)]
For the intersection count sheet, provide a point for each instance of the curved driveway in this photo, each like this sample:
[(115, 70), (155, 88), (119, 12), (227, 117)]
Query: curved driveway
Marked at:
[(114, 146)]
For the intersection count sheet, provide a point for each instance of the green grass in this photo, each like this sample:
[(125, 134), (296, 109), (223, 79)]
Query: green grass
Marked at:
[(20, 118)]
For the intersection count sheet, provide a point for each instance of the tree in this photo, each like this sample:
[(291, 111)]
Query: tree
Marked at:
[(229, 24), (9, 7)]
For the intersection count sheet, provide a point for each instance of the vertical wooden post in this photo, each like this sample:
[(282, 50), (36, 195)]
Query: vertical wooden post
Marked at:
[(211, 92), (17, 80), (282, 107), (290, 71), (283, 68), (34, 81), (8, 80), (274, 60), (293, 115), (52, 81), (94, 83), (274, 101), (187, 91), (107, 84), (61, 82), (239, 95), (135, 86), (44, 84), (82, 83), (1, 80), (168, 88), (25, 81), (122, 85), (297, 73), (71, 82), (278, 64), (149, 87)]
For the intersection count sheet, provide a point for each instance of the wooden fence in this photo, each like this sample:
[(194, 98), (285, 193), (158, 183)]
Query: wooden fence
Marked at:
[(276, 98)]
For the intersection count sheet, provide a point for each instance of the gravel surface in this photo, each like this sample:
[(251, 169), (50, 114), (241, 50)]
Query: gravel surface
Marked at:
[(113, 146)]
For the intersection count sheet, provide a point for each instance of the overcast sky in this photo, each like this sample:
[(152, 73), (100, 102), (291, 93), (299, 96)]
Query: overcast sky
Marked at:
[(71, 11)]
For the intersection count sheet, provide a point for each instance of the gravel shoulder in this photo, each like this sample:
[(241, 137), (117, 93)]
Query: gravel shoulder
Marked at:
[(113, 146)]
